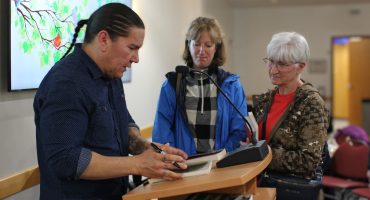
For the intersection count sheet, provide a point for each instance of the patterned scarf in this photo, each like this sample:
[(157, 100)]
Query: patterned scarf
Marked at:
[(201, 110)]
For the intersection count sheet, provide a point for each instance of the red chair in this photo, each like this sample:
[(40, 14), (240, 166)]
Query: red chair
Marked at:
[(362, 192), (348, 168)]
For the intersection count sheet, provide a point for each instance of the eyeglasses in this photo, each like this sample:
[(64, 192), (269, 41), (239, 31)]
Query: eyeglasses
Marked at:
[(281, 66)]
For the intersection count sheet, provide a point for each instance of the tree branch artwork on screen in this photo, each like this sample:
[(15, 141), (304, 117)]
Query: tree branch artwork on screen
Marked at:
[(41, 32)]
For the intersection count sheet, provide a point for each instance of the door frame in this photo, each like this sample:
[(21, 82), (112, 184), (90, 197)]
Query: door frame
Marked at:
[(332, 40)]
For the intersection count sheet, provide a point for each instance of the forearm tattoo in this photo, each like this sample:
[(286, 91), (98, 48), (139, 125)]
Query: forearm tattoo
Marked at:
[(136, 142)]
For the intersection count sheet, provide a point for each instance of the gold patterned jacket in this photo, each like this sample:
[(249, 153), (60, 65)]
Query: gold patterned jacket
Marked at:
[(298, 137)]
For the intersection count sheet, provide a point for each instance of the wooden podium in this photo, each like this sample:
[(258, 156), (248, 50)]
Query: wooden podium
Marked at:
[(238, 179)]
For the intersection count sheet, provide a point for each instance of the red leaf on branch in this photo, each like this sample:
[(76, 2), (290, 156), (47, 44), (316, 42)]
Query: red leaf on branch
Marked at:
[(57, 41)]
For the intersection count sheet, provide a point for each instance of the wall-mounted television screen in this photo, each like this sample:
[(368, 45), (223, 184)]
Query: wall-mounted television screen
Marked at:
[(41, 32)]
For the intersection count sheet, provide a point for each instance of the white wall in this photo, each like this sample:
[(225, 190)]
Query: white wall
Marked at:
[(253, 29), (166, 23), (17, 149)]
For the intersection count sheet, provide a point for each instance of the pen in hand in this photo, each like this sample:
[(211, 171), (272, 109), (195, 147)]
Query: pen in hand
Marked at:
[(159, 150)]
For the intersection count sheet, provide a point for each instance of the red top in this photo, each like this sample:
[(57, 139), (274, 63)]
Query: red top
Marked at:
[(279, 105)]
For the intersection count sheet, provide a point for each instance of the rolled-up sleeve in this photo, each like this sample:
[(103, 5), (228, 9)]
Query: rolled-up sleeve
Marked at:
[(83, 162)]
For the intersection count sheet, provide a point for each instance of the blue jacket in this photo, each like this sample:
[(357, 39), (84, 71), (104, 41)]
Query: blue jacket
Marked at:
[(170, 124)]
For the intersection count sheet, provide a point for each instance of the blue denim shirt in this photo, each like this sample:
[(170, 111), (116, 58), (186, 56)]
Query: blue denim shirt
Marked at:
[(77, 111)]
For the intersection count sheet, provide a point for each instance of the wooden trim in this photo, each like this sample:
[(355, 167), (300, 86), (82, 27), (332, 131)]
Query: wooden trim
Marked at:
[(146, 132), (261, 194), (19, 182), (265, 194)]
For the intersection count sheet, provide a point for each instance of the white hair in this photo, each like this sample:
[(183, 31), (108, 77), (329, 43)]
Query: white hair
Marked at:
[(288, 47)]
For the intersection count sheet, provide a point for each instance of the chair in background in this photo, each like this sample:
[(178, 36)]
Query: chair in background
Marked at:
[(362, 192), (348, 169)]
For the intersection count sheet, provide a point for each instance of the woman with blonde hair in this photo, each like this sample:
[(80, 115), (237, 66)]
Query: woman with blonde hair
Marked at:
[(191, 114)]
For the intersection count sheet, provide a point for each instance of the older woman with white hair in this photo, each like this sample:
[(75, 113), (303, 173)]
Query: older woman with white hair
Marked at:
[(292, 117)]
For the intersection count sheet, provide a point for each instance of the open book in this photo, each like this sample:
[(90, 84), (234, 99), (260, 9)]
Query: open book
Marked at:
[(198, 164), (196, 169), (204, 157), (252, 121)]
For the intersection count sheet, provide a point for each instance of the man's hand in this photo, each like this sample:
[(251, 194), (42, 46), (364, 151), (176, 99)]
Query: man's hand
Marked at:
[(158, 165)]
